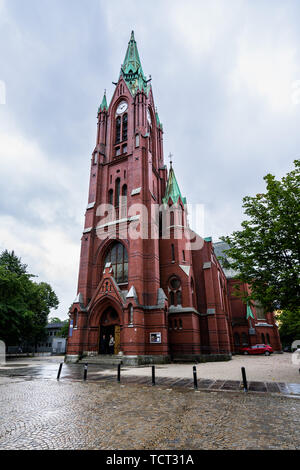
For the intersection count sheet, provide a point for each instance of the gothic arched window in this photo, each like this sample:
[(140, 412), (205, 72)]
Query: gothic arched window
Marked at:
[(110, 197), (118, 130), (130, 316), (124, 127), (117, 255), (117, 192)]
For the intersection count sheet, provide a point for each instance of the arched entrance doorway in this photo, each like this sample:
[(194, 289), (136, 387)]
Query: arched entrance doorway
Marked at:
[(109, 326)]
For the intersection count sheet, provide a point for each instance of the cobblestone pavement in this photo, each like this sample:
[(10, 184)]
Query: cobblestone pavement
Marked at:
[(48, 370), (46, 414)]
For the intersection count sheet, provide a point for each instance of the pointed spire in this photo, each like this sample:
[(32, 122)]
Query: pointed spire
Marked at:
[(103, 105), (172, 191), (132, 61), (132, 70)]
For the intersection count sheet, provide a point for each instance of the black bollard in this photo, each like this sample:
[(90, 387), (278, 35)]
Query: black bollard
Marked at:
[(244, 379), (59, 370), (195, 378), (119, 372), (85, 371), (153, 375)]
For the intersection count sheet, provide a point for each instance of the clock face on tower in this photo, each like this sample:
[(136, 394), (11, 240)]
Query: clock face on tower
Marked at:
[(122, 107)]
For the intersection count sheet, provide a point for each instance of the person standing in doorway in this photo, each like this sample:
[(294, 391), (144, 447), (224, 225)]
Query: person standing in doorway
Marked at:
[(111, 344), (103, 345)]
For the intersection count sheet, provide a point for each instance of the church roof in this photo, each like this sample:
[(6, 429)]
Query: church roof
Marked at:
[(132, 70), (172, 191)]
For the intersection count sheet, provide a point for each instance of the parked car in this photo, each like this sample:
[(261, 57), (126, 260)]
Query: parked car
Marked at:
[(265, 349)]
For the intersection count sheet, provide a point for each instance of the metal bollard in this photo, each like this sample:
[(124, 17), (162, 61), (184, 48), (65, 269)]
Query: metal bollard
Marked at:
[(59, 370), (153, 375), (85, 371), (119, 372), (244, 379), (195, 378)]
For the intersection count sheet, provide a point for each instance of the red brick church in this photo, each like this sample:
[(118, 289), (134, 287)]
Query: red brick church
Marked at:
[(145, 279)]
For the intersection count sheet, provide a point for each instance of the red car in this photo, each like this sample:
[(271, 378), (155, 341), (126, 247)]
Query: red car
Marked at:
[(258, 349)]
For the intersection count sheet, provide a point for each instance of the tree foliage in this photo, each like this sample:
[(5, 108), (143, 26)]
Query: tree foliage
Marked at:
[(289, 328), (266, 252), (24, 304)]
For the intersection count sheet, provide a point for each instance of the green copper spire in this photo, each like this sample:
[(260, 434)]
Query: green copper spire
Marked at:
[(132, 70), (158, 123), (103, 105), (173, 191), (249, 312)]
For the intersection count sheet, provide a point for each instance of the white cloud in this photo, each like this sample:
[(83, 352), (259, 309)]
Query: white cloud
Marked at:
[(39, 235)]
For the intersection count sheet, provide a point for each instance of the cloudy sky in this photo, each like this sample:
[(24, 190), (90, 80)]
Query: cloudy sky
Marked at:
[(226, 81)]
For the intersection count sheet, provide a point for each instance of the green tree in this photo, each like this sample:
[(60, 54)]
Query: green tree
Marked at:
[(64, 331), (289, 328), (24, 304), (266, 252)]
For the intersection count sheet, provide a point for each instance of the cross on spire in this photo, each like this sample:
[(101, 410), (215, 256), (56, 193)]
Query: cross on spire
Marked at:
[(171, 159)]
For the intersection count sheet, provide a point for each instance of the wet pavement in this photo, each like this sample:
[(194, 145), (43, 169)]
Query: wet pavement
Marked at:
[(100, 373), (39, 412)]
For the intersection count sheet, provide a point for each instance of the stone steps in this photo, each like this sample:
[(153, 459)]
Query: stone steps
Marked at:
[(102, 360)]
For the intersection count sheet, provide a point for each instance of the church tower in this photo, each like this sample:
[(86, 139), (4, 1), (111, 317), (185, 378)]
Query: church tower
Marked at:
[(119, 286)]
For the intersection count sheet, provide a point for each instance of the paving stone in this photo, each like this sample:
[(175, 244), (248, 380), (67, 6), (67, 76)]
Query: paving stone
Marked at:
[(231, 385), (257, 387), (51, 414)]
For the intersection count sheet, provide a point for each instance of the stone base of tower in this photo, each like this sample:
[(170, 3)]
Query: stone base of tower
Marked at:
[(134, 360)]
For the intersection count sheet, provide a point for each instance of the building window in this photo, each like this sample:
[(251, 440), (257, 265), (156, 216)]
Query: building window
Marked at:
[(268, 339), (95, 158), (172, 298), (124, 149), (110, 197), (130, 315), (245, 341), (124, 127), (117, 255), (260, 311), (183, 255), (173, 252), (118, 130), (118, 151), (236, 339), (263, 338), (180, 324), (75, 319), (175, 324), (117, 193), (179, 298), (137, 140)]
